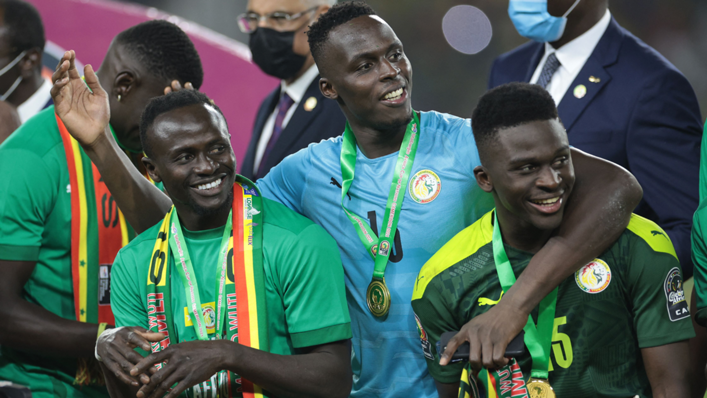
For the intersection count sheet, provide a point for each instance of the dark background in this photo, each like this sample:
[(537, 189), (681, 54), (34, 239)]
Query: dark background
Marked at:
[(448, 81)]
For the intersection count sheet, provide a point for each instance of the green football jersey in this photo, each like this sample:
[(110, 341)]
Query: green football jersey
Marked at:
[(35, 225), (304, 282), (629, 298)]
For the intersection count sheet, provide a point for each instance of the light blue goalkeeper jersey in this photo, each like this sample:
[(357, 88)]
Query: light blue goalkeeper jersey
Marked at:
[(442, 199)]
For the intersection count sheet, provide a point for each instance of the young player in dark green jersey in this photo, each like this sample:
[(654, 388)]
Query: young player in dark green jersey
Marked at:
[(617, 328)]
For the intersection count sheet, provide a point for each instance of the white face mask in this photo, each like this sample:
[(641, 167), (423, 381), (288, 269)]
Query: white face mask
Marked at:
[(4, 70)]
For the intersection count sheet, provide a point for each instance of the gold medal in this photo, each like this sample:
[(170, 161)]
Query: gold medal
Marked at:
[(378, 297), (540, 388)]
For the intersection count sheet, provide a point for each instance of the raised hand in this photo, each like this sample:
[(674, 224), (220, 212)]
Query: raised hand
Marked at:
[(84, 110)]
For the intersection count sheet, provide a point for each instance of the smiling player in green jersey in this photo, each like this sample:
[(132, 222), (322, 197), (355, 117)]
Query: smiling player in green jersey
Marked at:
[(618, 327)]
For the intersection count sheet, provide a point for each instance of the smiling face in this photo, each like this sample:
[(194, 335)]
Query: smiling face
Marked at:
[(529, 170), (192, 156), (364, 67)]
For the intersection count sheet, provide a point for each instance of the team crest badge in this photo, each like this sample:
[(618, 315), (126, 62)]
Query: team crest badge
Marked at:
[(209, 316), (675, 296), (594, 277), (424, 186), (426, 346)]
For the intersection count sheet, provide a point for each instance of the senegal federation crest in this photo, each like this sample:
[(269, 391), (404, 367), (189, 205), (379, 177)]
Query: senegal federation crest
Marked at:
[(424, 186), (209, 316), (594, 277)]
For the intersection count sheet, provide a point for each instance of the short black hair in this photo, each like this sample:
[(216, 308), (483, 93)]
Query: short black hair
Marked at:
[(170, 102), (24, 26), (338, 15), (165, 50), (508, 106)]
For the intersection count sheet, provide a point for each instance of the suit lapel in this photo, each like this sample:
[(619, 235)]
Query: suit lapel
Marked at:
[(534, 61), (593, 76), (264, 112), (297, 125)]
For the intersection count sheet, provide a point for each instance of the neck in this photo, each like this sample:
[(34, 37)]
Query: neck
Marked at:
[(25, 89), (307, 64), (578, 23), (520, 234), (193, 221), (375, 143)]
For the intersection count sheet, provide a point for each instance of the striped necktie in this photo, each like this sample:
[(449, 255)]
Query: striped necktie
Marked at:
[(549, 69)]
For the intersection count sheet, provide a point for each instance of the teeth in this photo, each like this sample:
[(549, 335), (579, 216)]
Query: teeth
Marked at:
[(209, 185), (546, 201), (394, 94)]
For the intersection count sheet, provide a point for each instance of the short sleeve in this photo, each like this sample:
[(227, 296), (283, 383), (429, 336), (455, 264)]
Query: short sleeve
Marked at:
[(655, 286), (435, 317), (699, 258), (285, 183), (126, 302), (311, 280), (29, 190)]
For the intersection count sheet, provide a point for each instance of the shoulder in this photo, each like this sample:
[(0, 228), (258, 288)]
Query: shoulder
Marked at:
[(648, 235), (444, 123), (39, 135), (463, 245), (286, 223), (141, 246), (518, 56)]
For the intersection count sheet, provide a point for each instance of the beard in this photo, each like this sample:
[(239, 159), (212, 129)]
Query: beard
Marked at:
[(207, 212)]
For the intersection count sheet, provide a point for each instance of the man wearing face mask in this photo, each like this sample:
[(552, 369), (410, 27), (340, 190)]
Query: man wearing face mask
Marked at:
[(618, 98), (295, 114), (21, 44)]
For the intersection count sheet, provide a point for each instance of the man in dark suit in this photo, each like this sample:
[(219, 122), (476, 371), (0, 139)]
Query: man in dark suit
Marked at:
[(619, 99), (296, 113)]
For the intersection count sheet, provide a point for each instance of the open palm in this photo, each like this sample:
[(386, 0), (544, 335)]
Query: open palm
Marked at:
[(84, 110)]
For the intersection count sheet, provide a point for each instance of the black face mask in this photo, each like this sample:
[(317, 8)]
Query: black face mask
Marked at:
[(272, 52)]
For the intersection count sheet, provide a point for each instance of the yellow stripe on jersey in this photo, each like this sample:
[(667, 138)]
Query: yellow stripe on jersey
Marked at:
[(461, 246), (652, 234)]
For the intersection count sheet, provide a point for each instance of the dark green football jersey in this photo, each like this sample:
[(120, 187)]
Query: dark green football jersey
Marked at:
[(629, 298)]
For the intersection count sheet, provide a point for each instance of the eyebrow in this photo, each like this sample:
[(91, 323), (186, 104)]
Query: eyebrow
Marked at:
[(531, 160), (372, 54)]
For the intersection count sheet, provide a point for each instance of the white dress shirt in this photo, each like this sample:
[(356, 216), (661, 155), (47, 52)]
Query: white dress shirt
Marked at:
[(572, 57), (296, 91), (34, 104)]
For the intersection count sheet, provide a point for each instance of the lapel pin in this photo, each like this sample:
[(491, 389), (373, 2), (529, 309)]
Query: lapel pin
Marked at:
[(580, 91), (594, 79), (310, 104)]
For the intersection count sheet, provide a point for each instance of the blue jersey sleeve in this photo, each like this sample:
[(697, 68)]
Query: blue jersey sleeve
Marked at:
[(285, 183)]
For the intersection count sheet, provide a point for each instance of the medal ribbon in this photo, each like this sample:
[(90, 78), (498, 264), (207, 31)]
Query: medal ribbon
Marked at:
[(537, 339), (242, 282), (379, 248)]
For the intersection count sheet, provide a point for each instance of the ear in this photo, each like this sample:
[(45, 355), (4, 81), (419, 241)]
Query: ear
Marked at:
[(327, 89), (483, 179), (123, 84), (31, 63), (151, 169)]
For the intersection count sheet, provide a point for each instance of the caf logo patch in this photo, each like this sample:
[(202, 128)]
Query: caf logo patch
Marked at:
[(594, 277), (384, 248), (424, 186), (675, 296), (426, 346)]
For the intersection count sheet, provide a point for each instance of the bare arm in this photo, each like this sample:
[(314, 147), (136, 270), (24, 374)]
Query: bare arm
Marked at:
[(320, 371), (27, 326), (667, 367), (597, 212), (86, 114)]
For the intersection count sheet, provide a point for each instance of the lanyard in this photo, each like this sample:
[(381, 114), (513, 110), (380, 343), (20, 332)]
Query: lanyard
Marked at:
[(537, 339), (184, 267), (378, 295)]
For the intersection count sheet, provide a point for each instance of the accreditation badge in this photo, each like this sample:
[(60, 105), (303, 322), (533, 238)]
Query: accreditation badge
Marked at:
[(378, 297)]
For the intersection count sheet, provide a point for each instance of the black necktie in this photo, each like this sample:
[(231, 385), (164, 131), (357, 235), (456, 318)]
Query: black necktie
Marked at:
[(549, 69)]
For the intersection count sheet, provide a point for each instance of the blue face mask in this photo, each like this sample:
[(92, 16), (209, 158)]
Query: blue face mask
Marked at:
[(532, 20)]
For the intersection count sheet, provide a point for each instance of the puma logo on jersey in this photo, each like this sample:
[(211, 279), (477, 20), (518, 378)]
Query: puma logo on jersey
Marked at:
[(336, 183), (488, 301), (656, 233)]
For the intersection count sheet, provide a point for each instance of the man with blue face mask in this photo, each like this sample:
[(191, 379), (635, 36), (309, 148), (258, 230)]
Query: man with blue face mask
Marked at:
[(618, 98), (296, 113), (21, 44)]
